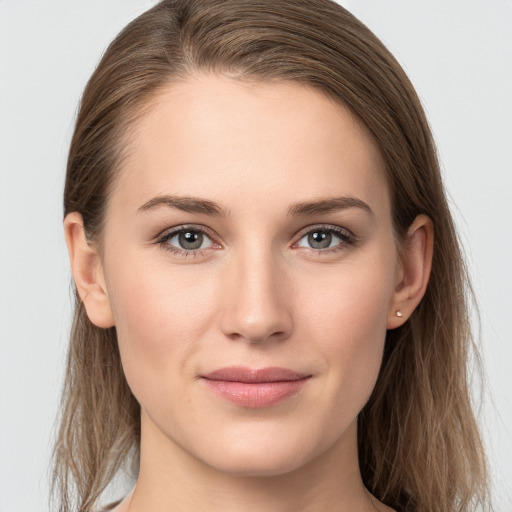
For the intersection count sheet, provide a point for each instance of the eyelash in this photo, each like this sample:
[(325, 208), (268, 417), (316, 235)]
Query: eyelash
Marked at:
[(347, 239), (163, 240)]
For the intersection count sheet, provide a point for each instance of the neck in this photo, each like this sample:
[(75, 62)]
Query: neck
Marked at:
[(172, 479)]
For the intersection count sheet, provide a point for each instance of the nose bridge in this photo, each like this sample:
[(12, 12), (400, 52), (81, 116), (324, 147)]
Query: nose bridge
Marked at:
[(256, 307)]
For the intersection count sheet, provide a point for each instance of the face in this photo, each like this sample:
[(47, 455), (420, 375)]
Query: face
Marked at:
[(250, 265)]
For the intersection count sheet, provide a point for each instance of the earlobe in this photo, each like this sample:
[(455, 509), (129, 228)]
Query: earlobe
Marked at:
[(87, 272), (414, 271)]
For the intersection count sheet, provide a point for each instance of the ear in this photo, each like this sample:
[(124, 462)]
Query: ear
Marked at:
[(88, 272), (413, 272)]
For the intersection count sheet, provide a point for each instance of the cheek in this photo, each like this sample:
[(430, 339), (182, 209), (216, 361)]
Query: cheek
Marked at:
[(352, 298), (347, 317), (159, 314)]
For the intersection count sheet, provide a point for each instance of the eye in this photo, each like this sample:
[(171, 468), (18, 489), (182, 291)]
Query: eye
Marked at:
[(186, 240), (322, 238), (189, 240)]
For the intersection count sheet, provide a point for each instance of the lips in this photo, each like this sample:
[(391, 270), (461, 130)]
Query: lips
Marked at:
[(255, 388)]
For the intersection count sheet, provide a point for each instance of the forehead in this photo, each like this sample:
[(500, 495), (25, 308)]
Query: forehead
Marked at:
[(216, 137)]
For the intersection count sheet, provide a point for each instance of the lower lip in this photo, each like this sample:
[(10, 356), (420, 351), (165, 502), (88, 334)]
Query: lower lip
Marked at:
[(255, 394)]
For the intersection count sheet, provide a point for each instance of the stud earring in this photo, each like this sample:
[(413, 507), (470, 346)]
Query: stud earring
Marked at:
[(399, 313)]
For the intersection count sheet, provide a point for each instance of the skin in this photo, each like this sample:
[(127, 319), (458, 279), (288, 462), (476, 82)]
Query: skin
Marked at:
[(256, 294)]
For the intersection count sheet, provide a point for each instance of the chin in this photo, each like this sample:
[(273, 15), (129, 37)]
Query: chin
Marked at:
[(258, 466), (266, 458)]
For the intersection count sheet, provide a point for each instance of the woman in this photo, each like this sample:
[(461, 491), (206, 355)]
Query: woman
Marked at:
[(271, 301)]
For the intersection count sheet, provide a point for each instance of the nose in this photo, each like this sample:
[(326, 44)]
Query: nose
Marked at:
[(256, 299)]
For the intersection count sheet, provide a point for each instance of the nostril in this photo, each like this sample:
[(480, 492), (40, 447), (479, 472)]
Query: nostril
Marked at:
[(257, 332), (275, 336)]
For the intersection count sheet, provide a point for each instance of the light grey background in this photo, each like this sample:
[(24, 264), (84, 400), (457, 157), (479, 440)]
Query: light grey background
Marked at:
[(458, 54)]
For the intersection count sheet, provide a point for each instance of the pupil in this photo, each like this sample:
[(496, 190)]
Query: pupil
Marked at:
[(320, 239), (190, 240)]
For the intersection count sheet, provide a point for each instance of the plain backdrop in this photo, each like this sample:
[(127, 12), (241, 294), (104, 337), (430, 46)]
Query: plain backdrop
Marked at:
[(458, 55)]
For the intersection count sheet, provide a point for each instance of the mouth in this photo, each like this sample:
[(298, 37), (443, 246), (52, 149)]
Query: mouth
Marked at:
[(255, 388)]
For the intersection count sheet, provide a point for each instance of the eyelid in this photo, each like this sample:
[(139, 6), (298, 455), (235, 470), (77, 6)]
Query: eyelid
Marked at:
[(347, 236), (167, 232), (325, 227), (162, 238)]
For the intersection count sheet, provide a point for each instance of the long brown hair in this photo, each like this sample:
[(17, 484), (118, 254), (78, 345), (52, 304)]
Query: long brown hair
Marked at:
[(419, 446)]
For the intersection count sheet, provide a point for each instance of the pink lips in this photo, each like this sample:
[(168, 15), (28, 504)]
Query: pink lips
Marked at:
[(255, 388)]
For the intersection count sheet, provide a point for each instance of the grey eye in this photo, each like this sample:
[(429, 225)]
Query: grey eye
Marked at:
[(189, 240), (321, 239)]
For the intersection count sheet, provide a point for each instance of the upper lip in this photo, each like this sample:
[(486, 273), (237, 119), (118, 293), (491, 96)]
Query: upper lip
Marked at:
[(248, 375)]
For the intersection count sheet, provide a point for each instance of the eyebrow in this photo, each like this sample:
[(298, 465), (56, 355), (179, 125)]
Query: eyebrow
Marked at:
[(328, 205), (300, 209), (185, 204)]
